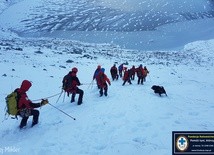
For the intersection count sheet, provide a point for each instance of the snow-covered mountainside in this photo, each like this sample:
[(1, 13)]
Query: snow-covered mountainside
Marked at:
[(131, 119)]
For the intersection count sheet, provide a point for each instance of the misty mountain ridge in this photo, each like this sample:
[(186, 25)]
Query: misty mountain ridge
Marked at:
[(98, 15)]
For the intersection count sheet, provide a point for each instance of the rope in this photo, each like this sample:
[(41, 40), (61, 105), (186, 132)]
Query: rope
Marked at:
[(48, 97)]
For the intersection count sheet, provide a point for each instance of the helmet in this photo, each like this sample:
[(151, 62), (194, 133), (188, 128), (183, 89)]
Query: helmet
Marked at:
[(74, 69), (102, 70), (98, 66)]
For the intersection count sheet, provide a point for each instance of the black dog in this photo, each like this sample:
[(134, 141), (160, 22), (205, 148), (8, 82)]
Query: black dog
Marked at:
[(159, 90)]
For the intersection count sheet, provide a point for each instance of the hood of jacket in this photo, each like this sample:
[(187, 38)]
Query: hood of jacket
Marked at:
[(25, 86)]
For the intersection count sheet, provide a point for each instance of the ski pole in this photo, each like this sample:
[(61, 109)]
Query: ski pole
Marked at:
[(150, 78), (91, 84), (64, 98), (62, 111)]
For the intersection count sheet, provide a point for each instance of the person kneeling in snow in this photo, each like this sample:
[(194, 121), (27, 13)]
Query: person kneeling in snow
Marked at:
[(26, 107), (70, 83)]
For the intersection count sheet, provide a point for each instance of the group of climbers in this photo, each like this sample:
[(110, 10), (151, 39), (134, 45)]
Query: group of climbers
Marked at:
[(70, 85), (129, 74)]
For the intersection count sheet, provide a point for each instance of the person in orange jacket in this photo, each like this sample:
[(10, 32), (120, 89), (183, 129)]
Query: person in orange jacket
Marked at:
[(146, 72), (102, 80)]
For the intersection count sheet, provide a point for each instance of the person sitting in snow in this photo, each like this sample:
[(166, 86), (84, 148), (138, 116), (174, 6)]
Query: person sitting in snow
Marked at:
[(102, 82), (70, 83), (26, 107)]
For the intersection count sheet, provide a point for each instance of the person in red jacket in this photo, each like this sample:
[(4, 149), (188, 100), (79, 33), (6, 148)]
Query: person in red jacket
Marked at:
[(132, 72), (140, 73), (26, 107), (127, 76), (70, 83), (102, 79)]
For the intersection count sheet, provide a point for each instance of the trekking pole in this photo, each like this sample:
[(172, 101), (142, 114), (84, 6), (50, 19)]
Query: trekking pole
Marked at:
[(62, 112), (91, 84), (150, 78), (59, 96), (64, 97)]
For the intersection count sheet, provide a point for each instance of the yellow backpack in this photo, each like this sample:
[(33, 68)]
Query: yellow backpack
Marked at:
[(12, 104)]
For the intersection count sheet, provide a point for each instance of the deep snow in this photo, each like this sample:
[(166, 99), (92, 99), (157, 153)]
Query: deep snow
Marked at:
[(130, 120)]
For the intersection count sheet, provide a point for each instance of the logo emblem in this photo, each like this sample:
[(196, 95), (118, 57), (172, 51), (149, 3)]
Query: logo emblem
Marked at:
[(182, 143)]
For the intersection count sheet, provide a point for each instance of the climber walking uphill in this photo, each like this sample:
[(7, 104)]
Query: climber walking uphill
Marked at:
[(127, 76), (70, 83), (114, 73), (96, 72), (25, 106), (102, 79)]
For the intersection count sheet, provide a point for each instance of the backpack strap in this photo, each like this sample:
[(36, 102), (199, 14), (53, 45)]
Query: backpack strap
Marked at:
[(17, 99)]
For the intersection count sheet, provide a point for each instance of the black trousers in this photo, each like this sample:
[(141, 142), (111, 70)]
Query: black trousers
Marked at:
[(121, 73), (140, 80), (129, 81), (114, 76), (80, 92), (132, 76), (105, 89), (34, 113)]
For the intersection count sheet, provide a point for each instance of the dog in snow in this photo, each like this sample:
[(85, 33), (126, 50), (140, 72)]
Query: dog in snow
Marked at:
[(158, 90)]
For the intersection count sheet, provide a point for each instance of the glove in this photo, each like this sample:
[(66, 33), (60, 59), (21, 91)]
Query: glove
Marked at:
[(44, 101)]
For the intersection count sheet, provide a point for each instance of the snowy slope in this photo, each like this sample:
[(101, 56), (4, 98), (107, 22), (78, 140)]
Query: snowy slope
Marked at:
[(131, 120)]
